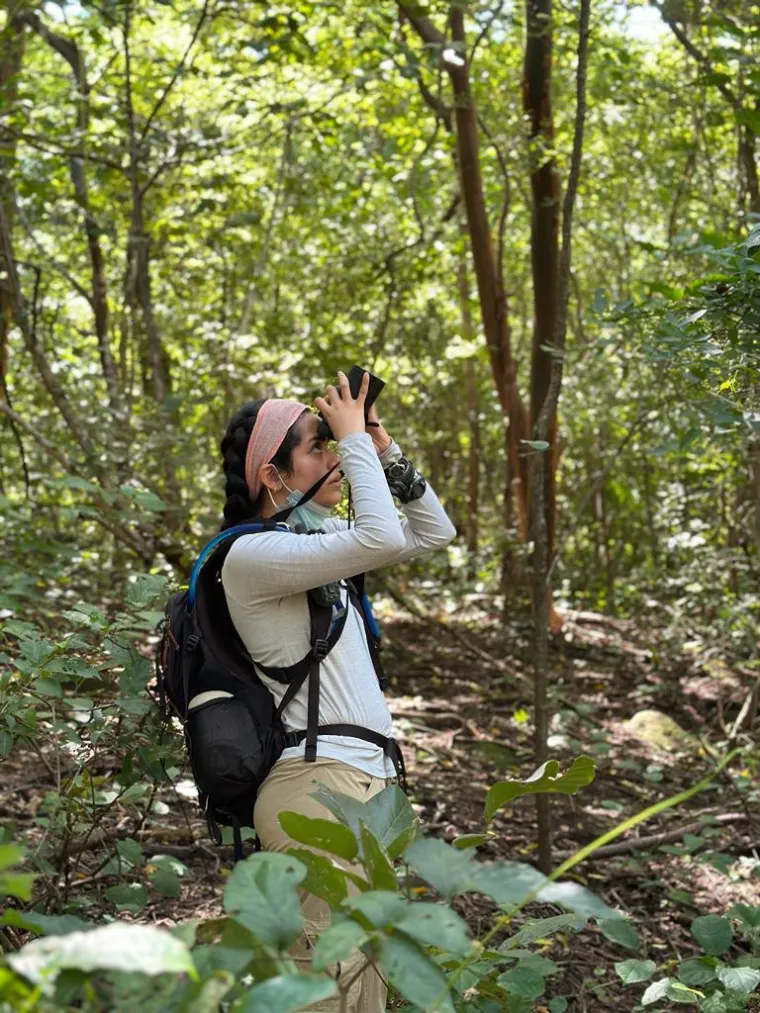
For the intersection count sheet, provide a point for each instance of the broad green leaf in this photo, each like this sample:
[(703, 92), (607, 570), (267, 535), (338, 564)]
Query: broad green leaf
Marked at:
[(576, 898), (115, 947), (165, 883), (323, 878), (10, 854), (436, 925), (262, 895), (448, 870), (656, 991), (379, 907), (749, 915), (337, 943), (557, 1005), (45, 925), (523, 982), (697, 971), (632, 971), (130, 897), (542, 928), (507, 883), (465, 841), (211, 993), (6, 742), (618, 930), (414, 974), (388, 815), (327, 835), (713, 933), (287, 993), (546, 779), (376, 863), (17, 884), (739, 979), (130, 852)]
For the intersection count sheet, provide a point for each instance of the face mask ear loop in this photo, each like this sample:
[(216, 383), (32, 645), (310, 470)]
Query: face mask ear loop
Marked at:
[(284, 514)]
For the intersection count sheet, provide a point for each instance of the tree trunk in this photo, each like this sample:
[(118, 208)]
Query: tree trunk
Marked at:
[(472, 406)]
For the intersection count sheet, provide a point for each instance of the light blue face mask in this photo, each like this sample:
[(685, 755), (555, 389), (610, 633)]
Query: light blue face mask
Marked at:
[(310, 516)]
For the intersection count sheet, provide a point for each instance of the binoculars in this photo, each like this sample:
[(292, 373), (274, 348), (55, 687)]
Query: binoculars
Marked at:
[(354, 377)]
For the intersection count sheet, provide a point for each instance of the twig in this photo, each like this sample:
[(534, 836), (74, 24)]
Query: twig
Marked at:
[(653, 840)]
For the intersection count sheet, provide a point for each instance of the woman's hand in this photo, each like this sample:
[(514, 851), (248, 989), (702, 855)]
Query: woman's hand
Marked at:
[(380, 437), (343, 414)]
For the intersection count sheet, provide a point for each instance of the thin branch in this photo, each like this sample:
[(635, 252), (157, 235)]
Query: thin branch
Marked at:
[(164, 95)]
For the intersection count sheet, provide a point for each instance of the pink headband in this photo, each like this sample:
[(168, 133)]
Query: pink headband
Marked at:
[(274, 419)]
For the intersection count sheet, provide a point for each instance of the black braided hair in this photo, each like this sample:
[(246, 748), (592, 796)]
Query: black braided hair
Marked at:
[(237, 505)]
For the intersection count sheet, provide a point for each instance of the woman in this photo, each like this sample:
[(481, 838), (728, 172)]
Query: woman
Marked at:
[(273, 454)]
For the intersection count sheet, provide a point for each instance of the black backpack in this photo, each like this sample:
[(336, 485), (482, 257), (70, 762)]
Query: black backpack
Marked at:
[(235, 735)]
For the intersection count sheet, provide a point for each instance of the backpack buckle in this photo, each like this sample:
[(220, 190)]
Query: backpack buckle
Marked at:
[(192, 641), (321, 648)]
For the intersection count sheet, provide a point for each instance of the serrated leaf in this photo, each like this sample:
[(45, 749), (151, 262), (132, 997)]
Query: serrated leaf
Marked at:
[(380, 907), (544, 780)]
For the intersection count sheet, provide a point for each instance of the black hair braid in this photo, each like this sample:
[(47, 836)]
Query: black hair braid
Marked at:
[(237, 505)]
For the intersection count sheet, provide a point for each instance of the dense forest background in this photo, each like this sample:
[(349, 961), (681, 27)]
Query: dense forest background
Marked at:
[(203, 203)]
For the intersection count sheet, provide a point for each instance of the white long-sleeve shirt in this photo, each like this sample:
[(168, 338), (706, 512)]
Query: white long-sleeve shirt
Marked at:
[(266, 575)]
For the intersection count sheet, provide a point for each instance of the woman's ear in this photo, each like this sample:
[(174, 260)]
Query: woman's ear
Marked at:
[(269, 477)]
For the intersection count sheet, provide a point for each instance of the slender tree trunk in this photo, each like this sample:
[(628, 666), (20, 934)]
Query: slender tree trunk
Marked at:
[(551, 287), (472, 405)]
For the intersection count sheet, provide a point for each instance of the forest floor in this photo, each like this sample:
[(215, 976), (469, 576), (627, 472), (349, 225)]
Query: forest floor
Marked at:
[(460, 695)]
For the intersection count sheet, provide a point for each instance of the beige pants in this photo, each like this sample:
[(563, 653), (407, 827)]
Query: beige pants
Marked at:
[(289, 786)]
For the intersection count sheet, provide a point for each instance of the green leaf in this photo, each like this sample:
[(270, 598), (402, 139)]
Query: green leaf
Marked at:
[(697, 971), (507, 883), (546, 779), (323, 878), (632, 971), (115, 947), (739, 979), (713, 933), (128, 896), (130, 852), (379, 907), (145, 589), (414, 974), (376, 863), (337, 943), (656, 991), (576, 898), (542, 928), (465, 841), (749, 915), (262, 895), (165, 883), (522, 982), (618, 930), (388, 815), (44, 925), (448, 870), (6, 742), (327, 835), (558, 1005), (536, 444), (436, 925), (286, 993)]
